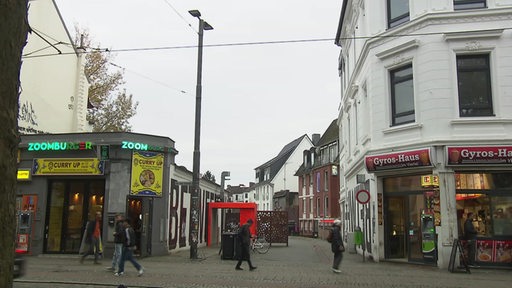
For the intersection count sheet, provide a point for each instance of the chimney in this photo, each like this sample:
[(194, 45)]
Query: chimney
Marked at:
[(315, 138)]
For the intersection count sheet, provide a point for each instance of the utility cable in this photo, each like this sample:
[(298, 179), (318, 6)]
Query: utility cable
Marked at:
[(148, 78), (183, 18), (259, 43)]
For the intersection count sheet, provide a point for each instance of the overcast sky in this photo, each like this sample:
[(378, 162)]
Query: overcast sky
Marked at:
[(259, 92)]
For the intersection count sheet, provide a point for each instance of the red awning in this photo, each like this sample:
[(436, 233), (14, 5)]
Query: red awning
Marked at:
[(327, 220)]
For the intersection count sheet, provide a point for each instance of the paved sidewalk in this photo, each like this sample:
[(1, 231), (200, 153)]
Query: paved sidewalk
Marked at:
[(305, 262)]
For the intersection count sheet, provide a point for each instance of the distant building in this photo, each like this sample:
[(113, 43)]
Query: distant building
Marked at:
[(278, 173), (318, 179)]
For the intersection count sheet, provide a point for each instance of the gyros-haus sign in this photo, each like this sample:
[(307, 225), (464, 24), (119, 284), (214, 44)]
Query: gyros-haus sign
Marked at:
[(399, 160), (479, 155)]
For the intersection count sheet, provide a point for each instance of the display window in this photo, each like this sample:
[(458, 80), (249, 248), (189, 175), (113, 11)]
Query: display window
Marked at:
[(489, 197)]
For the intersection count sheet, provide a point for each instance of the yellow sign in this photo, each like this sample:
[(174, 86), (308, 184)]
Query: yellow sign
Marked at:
[(65, 166), (429, 180), (24, 175), (147, 173)]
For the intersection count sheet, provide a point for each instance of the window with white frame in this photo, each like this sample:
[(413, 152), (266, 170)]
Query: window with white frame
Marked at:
[(398, 12), (326, 181), (310, 205), (474, 85), (469, 4), (402, 95), (326, 206)]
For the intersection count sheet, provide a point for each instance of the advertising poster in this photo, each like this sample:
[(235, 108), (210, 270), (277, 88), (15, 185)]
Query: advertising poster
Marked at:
[(147, 174), (503, 251), (484, 250), (65, 166)]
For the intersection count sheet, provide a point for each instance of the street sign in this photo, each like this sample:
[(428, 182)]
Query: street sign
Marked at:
[(363, 196)]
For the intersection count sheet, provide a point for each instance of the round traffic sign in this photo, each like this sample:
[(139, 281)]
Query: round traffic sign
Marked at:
[(363, 196)]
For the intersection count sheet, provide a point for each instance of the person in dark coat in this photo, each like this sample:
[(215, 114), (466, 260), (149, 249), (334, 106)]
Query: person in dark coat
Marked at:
[(129, 241), (244, 237), (470, 235), (118, 242), (336, 243)]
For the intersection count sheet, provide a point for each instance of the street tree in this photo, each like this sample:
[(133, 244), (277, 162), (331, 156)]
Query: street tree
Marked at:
[(209, 176), (112, 107), (13, 37)]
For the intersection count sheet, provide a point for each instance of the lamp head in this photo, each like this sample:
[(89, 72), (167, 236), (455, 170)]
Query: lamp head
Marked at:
[(195, 13), (207, 26)]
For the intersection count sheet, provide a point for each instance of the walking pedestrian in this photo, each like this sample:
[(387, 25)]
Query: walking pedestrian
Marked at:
[(92, 239), (118, 242), (128, 248), (470, 235), (244, 238), (337, 246)]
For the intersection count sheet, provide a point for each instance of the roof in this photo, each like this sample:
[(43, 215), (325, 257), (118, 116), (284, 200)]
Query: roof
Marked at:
[(342, 16), (330, 135), (277, 162)]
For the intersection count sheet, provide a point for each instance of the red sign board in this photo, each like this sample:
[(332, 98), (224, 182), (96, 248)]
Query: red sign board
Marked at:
[(399, 160), (479, 155)]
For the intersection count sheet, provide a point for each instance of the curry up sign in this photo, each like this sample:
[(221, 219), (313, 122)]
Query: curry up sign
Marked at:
[(65, 166), (479, 155), (56, 146), (398, 160), (147, 173)]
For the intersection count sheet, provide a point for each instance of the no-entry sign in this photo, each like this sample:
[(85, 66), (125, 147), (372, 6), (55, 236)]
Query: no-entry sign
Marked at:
[(363, 196)]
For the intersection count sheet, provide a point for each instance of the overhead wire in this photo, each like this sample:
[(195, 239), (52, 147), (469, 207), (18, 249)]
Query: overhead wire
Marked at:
[(148, 78), (181, 16), (249, 43)]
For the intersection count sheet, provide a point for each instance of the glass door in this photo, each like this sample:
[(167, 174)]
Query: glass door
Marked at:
[(403, 227), (70, 204), (396, 227)]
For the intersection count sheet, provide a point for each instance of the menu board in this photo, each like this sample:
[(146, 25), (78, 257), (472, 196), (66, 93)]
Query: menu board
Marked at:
[(503, 251), (484, 250)]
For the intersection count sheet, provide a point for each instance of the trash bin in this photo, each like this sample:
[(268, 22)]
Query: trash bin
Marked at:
[(358, 236), (228, 245)]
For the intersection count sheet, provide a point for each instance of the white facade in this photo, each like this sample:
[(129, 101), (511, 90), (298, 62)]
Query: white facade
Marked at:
[(429, 41), (283, 178), (54, 88)]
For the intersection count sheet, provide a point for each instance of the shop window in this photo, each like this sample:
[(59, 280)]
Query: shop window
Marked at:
[(502, 215), (403, 184), (402, 95), (474, 84)]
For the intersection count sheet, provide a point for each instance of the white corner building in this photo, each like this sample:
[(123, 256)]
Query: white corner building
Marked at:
[(426, 128)]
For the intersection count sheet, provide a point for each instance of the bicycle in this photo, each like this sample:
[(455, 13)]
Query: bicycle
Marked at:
[(260, 245)]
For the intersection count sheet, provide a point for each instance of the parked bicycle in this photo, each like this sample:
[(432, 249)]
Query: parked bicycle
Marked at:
[(260, 245)]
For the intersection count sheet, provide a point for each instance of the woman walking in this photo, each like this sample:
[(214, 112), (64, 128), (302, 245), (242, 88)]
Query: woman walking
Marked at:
[(337, 246)]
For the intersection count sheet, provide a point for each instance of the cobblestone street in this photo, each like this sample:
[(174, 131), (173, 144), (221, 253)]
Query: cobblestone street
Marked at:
[(304, 263)]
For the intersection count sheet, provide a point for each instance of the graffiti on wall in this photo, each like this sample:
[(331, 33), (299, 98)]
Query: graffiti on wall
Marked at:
[(179, 215), (358, 216)]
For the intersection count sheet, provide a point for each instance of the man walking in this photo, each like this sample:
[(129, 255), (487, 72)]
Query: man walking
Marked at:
[(244, 237), (118, 242), (470, 234), (128, 248)]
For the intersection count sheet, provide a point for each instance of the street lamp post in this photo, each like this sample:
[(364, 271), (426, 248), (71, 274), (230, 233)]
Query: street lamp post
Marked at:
[(195, 211)]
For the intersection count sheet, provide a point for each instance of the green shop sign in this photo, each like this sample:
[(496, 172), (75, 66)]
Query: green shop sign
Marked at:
[(140, 146), (59, 146)]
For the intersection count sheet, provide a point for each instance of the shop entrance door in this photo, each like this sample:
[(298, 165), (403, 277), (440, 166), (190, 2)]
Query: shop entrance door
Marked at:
[(70, 204), (403, 227), (139, 211)]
